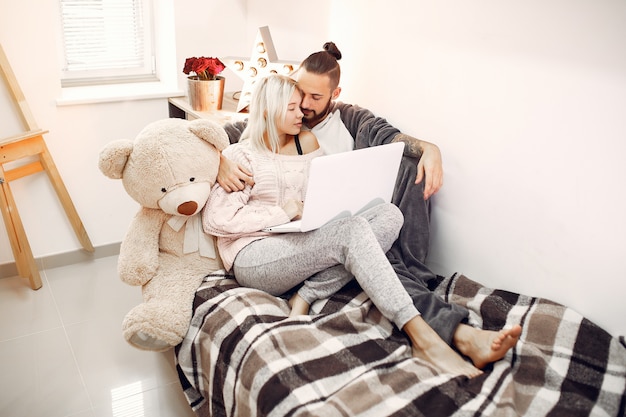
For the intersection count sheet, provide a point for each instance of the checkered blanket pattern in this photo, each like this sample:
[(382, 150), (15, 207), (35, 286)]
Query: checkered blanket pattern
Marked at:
[(244, 357)]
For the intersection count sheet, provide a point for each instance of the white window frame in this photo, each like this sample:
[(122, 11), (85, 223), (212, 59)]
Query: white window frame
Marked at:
[(105, 88), (107, 42)]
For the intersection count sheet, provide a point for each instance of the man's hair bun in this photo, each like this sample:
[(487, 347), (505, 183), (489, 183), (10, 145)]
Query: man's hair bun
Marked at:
[(332, 49)]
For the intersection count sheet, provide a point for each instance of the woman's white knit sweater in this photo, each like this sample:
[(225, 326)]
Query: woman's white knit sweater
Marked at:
[(237, 218)]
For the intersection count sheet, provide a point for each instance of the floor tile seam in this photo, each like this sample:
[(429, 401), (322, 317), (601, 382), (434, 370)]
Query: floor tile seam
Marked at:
[(154, 388), (38, 332), (81, 412), (159, 386), (45, 288), (68, 341)]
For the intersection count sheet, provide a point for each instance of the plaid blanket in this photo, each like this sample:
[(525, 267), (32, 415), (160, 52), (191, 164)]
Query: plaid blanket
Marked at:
[(244, 357)]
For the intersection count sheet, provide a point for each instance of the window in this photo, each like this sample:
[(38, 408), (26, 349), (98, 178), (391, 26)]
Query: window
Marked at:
[(107, 41)]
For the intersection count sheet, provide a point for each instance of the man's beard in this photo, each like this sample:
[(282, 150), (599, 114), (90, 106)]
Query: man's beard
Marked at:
[(315, 118)]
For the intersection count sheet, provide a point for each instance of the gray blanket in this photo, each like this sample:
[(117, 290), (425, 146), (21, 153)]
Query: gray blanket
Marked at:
[(244, 357)]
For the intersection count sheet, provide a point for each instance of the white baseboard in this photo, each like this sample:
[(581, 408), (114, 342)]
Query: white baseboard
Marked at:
[(62, 259)]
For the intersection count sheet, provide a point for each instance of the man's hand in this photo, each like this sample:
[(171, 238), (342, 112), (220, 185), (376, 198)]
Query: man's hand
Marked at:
[(431, 166), (293, 208), (232, 176)]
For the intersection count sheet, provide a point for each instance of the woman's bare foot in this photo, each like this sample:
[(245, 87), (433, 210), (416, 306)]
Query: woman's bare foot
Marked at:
[(427, 345), (485, 346), (299, 307)]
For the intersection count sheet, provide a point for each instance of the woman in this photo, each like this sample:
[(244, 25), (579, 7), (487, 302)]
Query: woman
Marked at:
[(278, 154)]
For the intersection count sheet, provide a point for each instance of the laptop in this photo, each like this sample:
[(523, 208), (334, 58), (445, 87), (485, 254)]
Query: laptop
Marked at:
[(345, 184)]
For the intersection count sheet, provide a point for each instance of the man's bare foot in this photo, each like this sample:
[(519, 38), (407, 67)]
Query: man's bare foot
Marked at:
[(299, 307), (427, 345), (485, 346)]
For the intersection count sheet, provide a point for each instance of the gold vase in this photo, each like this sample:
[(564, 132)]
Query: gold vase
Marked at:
[(206, 95)]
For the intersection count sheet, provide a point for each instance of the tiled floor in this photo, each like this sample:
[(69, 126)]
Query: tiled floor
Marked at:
[(62, 352)]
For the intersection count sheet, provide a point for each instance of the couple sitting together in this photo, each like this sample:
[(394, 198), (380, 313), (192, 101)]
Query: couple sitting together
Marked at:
[(262, 182)]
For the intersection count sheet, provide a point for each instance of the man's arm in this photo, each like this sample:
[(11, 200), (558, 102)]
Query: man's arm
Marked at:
[(430, 164), (234, 130), (370, 130), (231, 175), (366, 129), (413, 146)]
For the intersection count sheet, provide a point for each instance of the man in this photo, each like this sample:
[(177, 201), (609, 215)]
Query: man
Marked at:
[(342, 127)]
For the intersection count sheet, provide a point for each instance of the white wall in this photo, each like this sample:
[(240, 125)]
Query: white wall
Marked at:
[(526, 100)]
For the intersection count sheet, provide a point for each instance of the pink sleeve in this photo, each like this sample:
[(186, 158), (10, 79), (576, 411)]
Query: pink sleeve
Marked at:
[(229, 214)]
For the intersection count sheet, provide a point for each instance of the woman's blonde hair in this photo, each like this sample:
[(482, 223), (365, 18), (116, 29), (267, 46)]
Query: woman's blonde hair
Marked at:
[(268, 108)]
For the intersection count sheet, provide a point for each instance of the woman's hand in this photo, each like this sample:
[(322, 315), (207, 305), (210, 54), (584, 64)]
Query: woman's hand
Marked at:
[(293, 208), (232, 176)]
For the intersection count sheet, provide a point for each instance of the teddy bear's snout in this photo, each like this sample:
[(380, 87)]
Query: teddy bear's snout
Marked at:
[(188, 208)]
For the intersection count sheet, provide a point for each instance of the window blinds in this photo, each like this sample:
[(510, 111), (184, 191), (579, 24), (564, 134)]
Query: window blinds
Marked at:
[(106, 40)]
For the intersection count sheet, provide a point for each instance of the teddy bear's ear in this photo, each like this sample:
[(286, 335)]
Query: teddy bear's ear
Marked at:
[(113, 158), (210, 132)]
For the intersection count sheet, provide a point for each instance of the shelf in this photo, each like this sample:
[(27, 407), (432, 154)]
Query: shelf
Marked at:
[(180, 107)]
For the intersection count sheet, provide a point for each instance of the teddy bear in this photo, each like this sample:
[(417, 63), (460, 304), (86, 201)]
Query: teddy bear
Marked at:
[(169, 169)]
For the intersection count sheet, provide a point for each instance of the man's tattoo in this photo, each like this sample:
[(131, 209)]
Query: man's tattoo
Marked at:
[(413, 147)]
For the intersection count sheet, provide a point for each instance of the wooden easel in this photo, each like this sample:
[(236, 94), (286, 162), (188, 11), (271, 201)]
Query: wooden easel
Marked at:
[(14, 148)]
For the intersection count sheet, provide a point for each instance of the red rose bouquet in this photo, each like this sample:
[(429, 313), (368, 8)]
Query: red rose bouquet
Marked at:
[(205, 68)]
